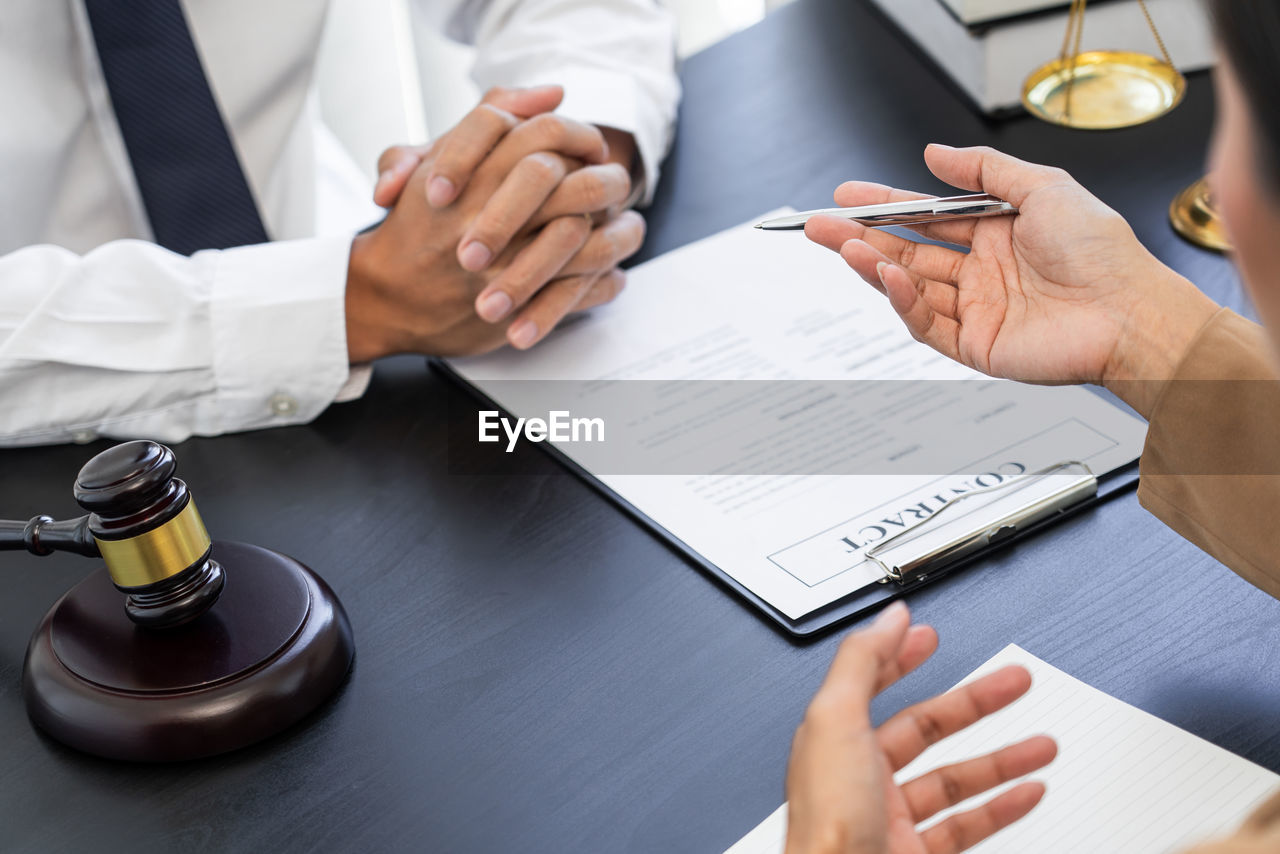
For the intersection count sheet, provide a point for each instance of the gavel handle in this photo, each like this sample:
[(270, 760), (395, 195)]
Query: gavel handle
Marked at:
[(42, 536)]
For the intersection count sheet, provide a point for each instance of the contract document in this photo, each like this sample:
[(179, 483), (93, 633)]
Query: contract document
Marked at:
[(1123, 780), (763, 407)]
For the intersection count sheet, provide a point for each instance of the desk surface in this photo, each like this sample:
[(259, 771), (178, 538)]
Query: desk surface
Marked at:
[(534, 671)]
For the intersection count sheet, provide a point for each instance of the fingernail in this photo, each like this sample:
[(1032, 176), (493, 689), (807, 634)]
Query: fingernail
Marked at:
[(522, 334), (381, 182), (942, 145), (494, 307), (891, 614), (881, 266), (440, 191), (474, 256)]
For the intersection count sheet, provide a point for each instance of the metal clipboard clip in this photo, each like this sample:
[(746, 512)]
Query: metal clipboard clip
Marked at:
[(951, 533)]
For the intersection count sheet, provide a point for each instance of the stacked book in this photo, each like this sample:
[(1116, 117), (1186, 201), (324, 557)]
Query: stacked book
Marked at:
[(989, 47)]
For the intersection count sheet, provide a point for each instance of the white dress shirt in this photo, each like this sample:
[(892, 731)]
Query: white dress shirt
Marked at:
[(103, 333)]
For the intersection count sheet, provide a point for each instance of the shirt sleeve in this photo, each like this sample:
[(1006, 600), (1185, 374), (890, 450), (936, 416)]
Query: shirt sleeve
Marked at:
[(614, 58), (131, 340), (1211, 466)]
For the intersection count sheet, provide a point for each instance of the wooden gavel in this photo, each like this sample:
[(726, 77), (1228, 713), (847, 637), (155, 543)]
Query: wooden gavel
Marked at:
[(144, 525), (201, 659)]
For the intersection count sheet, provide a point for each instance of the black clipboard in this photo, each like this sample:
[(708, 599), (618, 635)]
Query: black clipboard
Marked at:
[(858, 603)]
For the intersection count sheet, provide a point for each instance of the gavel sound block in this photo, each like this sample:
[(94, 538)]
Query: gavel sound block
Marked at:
[(212, 646)]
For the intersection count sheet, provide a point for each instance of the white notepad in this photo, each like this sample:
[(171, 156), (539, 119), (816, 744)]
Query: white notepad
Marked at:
[(1124, 780)]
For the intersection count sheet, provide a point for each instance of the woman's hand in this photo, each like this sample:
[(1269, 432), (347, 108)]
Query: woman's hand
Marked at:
[(1062, 292), (840, 779)]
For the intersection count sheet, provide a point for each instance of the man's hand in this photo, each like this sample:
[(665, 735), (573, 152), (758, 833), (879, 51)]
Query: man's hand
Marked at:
[(466, 145), (515, 247), (1062, 292), (589, 185), (843, 798)]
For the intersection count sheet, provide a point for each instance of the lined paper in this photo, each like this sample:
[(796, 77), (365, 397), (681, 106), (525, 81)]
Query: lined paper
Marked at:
[(1124, 780)]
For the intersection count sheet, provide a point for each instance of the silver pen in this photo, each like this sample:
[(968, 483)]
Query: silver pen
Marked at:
[(902, 213)]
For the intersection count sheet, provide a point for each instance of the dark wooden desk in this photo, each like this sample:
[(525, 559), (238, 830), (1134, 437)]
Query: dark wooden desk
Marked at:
[(535, 672)]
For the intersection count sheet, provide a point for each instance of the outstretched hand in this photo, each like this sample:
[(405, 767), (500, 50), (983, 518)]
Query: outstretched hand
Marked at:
[(840, 782), (1062, 292)]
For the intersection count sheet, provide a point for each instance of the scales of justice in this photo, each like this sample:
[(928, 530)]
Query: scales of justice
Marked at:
[(1107, 89)]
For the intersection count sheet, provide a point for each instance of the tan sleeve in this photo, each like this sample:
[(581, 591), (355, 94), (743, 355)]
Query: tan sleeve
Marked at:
[(1211, 471), (1260, 834), (1211, 466)]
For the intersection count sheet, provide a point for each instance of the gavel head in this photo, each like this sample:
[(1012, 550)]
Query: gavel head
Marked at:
[(153, 541)]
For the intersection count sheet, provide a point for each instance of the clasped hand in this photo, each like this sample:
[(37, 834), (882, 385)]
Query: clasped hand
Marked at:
[(496, 231)]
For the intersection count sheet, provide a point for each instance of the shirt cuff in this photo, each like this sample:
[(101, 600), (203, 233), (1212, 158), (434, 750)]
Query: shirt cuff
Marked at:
[(278, 313), (357, 383), (613, 99)]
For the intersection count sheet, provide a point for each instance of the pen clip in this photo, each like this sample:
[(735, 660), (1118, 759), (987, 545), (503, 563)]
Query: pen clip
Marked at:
[(975, 209), (930, 210), (913, 212)]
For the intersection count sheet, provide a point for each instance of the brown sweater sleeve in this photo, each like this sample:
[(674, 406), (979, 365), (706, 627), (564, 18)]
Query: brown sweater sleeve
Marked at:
[(1211, 466), (1211, 471), (1260, 834)]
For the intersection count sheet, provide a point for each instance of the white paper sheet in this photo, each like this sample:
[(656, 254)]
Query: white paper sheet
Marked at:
[(1123, 780), (759, 306)]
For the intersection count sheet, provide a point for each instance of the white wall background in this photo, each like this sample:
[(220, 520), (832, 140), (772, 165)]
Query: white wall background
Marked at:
[(384, 79)]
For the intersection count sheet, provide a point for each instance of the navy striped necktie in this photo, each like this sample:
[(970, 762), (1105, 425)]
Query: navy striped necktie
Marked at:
[(194, 190)]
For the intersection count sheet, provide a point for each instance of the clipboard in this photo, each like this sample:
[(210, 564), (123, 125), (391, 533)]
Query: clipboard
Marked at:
[(950, 540)]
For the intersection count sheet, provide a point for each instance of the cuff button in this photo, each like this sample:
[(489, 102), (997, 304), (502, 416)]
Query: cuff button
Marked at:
[(282, 404)]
